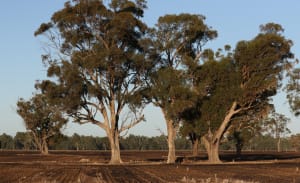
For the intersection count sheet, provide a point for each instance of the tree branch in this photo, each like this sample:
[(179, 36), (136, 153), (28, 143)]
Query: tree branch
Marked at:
[(132, 124), (221, 130)]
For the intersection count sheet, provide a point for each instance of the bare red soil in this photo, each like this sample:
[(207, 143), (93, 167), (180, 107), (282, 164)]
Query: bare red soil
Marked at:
[(146, 166)]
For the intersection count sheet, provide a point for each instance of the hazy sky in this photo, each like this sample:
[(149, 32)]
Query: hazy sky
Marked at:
[(21, 66)]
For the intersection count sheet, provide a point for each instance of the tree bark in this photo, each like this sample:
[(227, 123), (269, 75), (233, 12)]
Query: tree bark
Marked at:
[(212, 148), (171, 142), (44, 147), (278, 145), (212, 139), (115, 148), (41, 144)]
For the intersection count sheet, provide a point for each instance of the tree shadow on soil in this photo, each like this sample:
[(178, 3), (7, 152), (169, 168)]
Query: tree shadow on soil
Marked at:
[(229, 157)]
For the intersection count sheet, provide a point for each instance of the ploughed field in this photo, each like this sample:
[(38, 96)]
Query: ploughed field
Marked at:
[(147, 166)]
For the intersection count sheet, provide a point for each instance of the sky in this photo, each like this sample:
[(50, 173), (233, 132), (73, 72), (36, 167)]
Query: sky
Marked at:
[(20, 51)]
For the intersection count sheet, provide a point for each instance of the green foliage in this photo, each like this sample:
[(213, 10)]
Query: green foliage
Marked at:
[(265, 143), (182, 143), (134, 142), (84, 142), (271, 28), (170, 92), (178, 40), (101, 64), (6, 141), (258, 142), (157, 143), (248, 76), (295, 142), (261, 142), (243, 130), (276, 124), (293, 90), (219, 86), (216, 86), (41, 119), (262, 62), (109, 60), (24, 140)]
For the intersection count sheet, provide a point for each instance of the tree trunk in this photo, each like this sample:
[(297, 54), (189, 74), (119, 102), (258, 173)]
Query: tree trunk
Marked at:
[(212, 139), (115, 148), (239, 143), (238, 147), (44, 147), (278, 145), (212, 148), (195, 145), (171, 142)]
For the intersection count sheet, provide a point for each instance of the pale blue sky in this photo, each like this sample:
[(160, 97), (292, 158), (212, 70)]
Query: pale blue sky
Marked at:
[(21, 66)]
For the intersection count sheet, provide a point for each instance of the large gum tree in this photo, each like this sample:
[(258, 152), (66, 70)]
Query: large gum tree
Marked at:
[(242, 83), (97, 64), (178, 40)]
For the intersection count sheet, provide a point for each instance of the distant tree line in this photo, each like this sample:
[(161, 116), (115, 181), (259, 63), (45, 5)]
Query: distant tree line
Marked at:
[(24, 141)]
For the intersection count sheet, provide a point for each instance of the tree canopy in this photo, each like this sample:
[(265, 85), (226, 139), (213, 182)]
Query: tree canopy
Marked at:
[(293, 90), (240, 85), (42, 119), (101, 65), (178, 41), (105, 65)]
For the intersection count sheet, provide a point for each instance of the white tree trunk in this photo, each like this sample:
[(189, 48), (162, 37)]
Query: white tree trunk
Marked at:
[(212, 148), (41, 143), (115, 148), (171, 142), (44, 147), (212, 139), (278, 144)]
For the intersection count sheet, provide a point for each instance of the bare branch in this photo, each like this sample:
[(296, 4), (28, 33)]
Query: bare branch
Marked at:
[(132, 124), (162, 133)]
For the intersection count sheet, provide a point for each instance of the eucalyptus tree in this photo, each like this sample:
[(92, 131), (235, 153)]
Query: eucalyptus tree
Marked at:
[(293, 90), (41, 119), (100, 65), (191, 131), (24, 140), (295, 141), (220, 82), (241, 83), (276, 125), (6, 141), (178, 40), (192, 127), (242, 131)]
